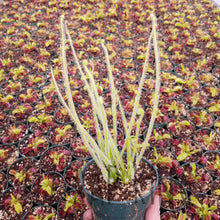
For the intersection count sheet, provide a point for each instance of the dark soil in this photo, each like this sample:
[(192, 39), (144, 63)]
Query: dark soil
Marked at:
[(142, 183)]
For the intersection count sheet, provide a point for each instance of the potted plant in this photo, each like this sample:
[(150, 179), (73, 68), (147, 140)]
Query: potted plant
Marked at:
[(79, 150), (164, 160), (40, 122), (55, 159), (33, 145), (3, 182), (194, 178), (21, 113), (13, 133), (160, 138), (186, 150), (15, 202), (7, 102), (201, 118), (194, 99), (173, 215), (71, 206), (211, 161), (180, 127), (62, 134), (23, 171), (110, 167), (203, 206), (207, 138), (48, 188), (215, 189), (217, 125), (173, 194)]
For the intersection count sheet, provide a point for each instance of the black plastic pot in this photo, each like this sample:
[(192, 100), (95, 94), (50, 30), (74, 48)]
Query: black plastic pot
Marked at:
[(211, 156), (118, 210), (173, 183)]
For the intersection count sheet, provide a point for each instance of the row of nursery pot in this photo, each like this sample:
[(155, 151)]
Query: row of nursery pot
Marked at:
[(59, 159), (49, 189), (175, 116), (49, 200), (24, 171)]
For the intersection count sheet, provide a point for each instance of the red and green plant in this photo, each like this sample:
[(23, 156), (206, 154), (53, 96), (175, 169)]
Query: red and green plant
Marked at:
[(41, 122), (180, 127), (78, 149), (202, 209), (55, 159), (23, 172), (173, 196), (71, 205), (13, 133), (33, 146), (186, 150)]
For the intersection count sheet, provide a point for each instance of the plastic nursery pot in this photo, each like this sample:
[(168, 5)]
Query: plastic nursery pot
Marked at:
[(71, 206), (164, 160), (33, 145), (55, 158), (131, 209), (201, 118), (42, 212), (208, 139), (194, 178), (212, 159), (186, 150), (173, 194), (13, 133), (198, 210), (21, 205), (194, 99), (48, 188), (79, 150), (217, 125), (23, 171), (72, 174)]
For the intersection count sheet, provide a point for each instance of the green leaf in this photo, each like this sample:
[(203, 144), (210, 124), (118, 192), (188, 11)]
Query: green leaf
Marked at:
[(185, 123), (182, 156), (213, 109), (182, 216), (193, 166), (49, 216), (195, 201), (18, 207), (33, 119), (217, 192), (166, 136), (179, 196), (217, 124)]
